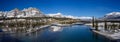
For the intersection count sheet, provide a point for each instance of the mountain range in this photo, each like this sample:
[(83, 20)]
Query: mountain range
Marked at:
[(29, 12), (112, 15), (34, 12), (68, 16)]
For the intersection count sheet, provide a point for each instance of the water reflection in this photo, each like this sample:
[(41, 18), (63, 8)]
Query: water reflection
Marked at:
[(56, 28)]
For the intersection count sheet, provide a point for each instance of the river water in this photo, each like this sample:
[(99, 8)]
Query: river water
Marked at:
[(74, 33)]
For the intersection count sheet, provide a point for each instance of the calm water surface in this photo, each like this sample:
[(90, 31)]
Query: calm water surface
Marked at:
[(75, 33)]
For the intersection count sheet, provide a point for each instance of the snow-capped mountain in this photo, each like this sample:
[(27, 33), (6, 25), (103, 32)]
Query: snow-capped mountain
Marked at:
[(60, 15), (29, 12), (112, 15), (34, 12)]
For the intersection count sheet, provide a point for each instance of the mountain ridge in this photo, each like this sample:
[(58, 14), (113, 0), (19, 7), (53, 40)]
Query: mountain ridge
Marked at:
[(29, 12)]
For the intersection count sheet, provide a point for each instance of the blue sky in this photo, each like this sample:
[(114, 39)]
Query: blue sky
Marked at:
[(96, 8)]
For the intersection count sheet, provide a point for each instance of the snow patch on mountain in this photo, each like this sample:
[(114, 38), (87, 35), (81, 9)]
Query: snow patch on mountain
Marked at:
[(55, 15), (85, 17)]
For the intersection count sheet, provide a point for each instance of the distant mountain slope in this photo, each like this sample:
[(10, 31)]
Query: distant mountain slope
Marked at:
[(69, 16), (112, 15)]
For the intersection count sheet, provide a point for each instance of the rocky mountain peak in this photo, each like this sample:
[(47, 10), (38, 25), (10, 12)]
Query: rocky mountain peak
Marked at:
[(26, 12)]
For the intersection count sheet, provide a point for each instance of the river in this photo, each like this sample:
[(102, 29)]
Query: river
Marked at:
[(74, 33)]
